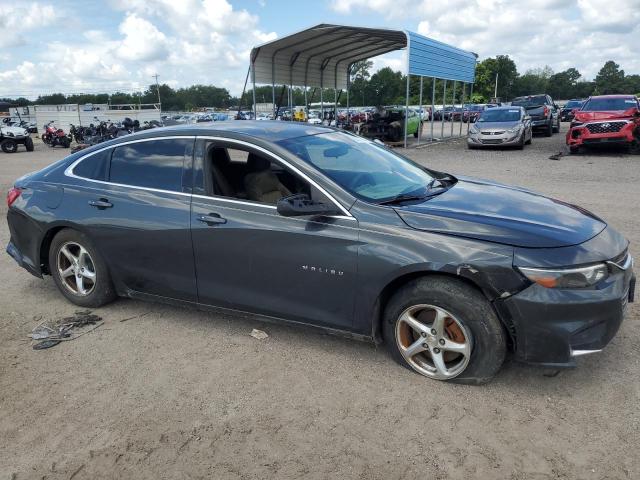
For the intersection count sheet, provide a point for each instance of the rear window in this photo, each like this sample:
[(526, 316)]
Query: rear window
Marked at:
[(527, 102), (94, 167), (153, 164)]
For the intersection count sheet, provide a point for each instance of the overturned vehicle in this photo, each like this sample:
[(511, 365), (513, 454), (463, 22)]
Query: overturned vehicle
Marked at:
[(387, 124)]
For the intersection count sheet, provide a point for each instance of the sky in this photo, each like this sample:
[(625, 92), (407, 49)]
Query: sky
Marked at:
[(83, 46)]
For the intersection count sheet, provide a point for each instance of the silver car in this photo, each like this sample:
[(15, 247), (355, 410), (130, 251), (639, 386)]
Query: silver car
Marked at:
[(501, 126)]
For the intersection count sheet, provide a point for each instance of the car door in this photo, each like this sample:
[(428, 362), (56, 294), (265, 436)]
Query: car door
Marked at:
[(132, 203), (249, 258)]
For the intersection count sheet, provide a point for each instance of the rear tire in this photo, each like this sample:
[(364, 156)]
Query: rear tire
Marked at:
[(79, 270), (28, 143), (549, 130), (469, 331)]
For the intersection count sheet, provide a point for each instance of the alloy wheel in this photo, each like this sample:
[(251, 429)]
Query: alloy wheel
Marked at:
[(76, 269), (433, 341)]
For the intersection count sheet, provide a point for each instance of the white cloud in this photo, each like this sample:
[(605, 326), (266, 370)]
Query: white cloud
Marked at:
[(559, 33), (184, 41)]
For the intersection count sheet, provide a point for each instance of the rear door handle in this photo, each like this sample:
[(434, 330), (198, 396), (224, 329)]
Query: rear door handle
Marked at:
[(101, 204), (211, 219)]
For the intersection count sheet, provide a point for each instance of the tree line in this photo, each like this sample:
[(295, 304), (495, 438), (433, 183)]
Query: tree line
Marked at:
[(384, 87)]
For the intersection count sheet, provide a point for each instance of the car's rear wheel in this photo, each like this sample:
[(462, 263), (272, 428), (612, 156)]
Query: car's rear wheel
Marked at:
[(79, 271), (9, 146), (445, 330), (549, 130)]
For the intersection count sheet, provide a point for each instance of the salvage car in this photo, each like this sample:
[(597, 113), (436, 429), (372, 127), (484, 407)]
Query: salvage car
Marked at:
[(321, 227), (501, 127), (606, 120), (567, 111), (544, 113), (388, 124), (12, 136)]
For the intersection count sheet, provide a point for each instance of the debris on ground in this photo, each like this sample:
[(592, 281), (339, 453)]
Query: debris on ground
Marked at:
[(259, 334), (557, 156), (50, 333)]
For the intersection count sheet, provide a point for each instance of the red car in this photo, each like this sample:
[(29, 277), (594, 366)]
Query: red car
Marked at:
[(606, 119)]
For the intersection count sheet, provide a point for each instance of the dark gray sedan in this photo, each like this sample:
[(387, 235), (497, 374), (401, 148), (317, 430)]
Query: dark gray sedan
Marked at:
[(501, 127), (320, 227)]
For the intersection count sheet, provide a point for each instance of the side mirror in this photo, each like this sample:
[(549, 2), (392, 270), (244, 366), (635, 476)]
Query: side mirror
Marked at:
[(302, 205)]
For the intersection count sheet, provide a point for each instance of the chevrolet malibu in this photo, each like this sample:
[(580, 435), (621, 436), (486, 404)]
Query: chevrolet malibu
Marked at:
[(320, 227)]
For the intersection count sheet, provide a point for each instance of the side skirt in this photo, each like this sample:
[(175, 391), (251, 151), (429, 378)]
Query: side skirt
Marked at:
[(246, 315)]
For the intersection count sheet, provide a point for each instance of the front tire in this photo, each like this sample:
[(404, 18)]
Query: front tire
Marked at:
[(79, 271), (9, 146), (28, 143), (445, 330)]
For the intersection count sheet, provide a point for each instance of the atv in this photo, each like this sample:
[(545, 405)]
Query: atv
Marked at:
[(12, 136)]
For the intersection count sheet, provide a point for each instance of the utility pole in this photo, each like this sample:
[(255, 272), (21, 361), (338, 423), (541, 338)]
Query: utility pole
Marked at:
[(158, 90), (495, 92)]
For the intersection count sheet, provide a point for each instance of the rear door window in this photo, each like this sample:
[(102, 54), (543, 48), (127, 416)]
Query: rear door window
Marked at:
[(152, 164), (95, 166)]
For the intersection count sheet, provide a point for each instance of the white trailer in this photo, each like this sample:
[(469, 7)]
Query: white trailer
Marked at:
[(63, 116)]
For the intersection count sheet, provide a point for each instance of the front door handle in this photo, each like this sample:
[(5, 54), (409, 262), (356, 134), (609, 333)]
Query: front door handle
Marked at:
[(211, 219), (101, 204)]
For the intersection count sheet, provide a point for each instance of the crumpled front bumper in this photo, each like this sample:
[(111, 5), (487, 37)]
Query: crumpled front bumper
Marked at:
[(580, 135), (553, 326)]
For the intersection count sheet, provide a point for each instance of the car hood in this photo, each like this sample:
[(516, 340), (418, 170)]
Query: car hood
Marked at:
[(489, 211), (604, 115), (493, 126), (11, 129)]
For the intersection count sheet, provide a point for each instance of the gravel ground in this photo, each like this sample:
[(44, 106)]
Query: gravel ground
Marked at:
[(176, 393)]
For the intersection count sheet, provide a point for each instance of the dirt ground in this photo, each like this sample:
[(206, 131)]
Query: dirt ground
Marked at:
[(181, 394)]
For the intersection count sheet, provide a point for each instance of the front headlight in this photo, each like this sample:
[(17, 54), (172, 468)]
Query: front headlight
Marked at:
[(515, 129), (26, 133), (582, 277), (474, 129)]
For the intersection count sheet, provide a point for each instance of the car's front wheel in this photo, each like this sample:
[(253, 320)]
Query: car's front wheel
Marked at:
[(445, 330), (79, 271), (9, 146)]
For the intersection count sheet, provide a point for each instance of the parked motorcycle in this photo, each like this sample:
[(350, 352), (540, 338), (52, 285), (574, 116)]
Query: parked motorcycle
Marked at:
[(53, 136)]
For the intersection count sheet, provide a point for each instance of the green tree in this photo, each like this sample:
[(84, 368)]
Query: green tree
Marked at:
[(565, 85), (486, 72), (610, 79)]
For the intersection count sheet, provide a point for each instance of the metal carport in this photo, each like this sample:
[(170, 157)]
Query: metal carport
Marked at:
[(322, 56)]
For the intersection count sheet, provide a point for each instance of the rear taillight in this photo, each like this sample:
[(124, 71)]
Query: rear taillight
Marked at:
[(13, 195), (546, 111)]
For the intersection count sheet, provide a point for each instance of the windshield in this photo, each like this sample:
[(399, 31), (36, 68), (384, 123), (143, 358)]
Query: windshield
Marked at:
[(528, 102), (607, 104), (364, 168), (500, 115)]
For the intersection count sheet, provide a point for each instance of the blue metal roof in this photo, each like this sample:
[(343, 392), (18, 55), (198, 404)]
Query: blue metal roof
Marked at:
[(430, 58)]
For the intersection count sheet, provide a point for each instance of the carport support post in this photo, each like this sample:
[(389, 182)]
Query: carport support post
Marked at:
[(453, 104), (253, 80), (420, 125), (433, 104), (444, 99), (462, 114), (273, 88), (470, 100), (406, 112)]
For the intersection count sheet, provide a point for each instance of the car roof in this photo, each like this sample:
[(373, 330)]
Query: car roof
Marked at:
[(505, 107), (270, 130), (613, 96)]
